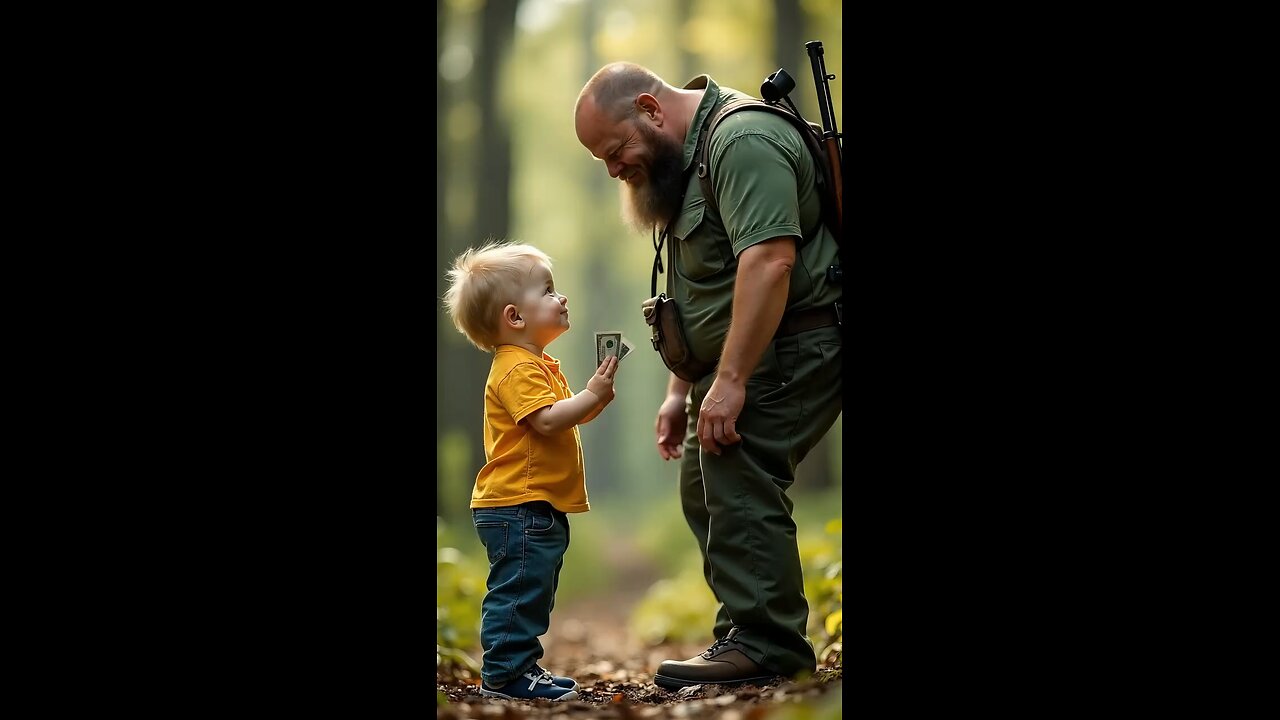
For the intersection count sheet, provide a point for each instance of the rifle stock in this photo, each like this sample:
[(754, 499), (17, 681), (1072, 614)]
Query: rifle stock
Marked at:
[(833, 151)]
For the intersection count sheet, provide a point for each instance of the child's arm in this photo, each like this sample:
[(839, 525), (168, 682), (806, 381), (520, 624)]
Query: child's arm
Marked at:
[(597, 410), (564, 414), (606, 395)]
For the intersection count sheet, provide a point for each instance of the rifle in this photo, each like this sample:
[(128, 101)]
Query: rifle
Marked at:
[(830, 135), (775, 89)]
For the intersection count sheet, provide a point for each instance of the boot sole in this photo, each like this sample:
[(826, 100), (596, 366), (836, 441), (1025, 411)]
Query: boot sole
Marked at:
[(671, 683)]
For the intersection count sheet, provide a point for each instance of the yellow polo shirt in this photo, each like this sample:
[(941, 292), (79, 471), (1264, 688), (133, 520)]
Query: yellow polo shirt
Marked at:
[(523, 464)]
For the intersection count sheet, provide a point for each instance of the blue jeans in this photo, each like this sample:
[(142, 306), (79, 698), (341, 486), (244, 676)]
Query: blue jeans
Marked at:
[(526, 545)]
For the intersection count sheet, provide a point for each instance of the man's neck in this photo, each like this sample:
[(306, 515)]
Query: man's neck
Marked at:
[(687, 102)]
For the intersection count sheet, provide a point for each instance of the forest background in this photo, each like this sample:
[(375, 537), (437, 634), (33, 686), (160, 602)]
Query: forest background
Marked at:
[(509, 166)]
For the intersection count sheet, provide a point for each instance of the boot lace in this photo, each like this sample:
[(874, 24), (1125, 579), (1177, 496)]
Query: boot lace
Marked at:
[(728, 638)]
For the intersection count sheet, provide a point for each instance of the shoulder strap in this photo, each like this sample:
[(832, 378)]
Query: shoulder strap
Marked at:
[(703, 153), (811, 141)]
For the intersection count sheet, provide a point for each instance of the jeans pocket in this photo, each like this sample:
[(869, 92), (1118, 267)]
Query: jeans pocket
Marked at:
[(540, 522), (493, 535)]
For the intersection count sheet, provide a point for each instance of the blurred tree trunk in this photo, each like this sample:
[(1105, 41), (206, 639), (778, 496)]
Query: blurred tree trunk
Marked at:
[(493, 210), (787, 44), (492, 217), (461, 373), (686, 60)]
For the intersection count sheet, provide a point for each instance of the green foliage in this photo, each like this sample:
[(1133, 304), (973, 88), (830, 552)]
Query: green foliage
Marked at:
[(829, 707), (460, 587), (662, 533), (823, 560), (587, 569), (679, 609), (682, 609), (456, 478)]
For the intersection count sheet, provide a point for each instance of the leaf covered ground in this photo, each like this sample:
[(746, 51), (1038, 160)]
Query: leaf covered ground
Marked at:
[(615, 677)]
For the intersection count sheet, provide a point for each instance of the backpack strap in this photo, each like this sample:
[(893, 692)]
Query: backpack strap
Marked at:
[(702, 154)]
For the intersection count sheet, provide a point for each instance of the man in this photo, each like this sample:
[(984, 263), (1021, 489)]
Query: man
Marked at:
[(752, 287)]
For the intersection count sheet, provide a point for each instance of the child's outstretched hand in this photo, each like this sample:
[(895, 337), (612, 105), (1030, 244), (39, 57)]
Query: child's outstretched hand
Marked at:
[(601, 384)]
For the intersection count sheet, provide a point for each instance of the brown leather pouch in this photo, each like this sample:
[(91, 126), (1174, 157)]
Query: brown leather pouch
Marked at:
[(667, 335)]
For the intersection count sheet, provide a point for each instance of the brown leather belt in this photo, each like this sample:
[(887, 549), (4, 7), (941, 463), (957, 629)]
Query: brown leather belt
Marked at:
[(801, 320)]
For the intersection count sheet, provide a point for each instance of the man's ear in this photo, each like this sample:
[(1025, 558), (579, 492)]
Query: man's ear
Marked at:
[(649, 106), (511, 316)]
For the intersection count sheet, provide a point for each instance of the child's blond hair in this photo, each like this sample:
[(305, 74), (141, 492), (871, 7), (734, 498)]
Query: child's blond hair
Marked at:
[(485, 280)]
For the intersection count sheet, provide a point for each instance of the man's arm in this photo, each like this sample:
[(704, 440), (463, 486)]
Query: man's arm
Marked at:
[(759, 300)]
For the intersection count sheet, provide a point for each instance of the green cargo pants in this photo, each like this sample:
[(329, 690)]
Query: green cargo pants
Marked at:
[(737, 506)]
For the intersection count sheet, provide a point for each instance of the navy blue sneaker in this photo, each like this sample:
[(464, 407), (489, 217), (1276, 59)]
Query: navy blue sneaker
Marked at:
[(536, 684), (561, 680)]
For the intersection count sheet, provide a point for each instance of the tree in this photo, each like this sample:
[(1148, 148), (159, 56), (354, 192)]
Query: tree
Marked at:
[(460, 371)]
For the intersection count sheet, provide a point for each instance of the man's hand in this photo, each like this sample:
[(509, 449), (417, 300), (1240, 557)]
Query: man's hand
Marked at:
[(718, 418), (673, 421)]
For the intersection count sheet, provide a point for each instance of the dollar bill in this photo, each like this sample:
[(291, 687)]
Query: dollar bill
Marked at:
[(627, 347), (607, 343)]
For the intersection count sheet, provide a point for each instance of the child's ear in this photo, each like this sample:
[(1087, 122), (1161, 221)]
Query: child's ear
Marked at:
[(511, 316)]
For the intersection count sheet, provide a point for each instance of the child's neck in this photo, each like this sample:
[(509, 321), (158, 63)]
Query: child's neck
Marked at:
[(520, 340)]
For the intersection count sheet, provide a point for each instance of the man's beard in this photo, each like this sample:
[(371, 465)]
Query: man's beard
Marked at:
[(656, 200)]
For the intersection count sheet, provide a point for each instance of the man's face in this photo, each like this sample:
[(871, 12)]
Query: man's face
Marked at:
[(647, 162)]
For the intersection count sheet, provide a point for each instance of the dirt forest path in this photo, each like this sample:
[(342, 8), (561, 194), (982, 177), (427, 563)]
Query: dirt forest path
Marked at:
[(588, 641)]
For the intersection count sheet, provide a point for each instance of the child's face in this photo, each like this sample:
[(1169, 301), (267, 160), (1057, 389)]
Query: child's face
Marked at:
[(545, 311)]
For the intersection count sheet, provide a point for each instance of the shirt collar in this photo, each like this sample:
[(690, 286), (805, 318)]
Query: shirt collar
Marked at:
[(710, 99), (551, 362)]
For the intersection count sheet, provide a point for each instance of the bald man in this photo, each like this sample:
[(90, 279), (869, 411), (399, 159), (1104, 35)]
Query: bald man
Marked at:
[(750, 279)]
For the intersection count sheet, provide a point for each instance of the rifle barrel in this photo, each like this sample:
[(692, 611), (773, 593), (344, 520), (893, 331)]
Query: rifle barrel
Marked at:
[(819, 66)]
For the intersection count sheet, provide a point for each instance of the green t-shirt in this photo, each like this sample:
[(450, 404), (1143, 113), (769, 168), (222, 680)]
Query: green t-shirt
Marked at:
[(764, 181)]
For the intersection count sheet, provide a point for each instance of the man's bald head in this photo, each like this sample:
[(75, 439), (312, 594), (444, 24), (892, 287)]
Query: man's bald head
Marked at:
[(612, 91)]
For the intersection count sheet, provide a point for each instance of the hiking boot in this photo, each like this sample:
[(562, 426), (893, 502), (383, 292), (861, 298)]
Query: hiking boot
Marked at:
[(561, 680), (724, 663), (535, 684)]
